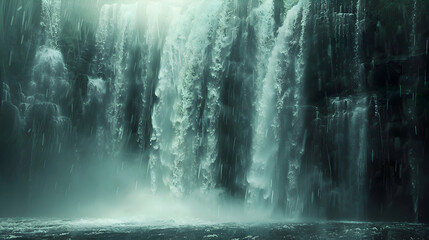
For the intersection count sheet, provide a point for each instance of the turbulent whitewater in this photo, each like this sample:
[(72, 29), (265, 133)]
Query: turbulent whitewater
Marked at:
[(234, 110)]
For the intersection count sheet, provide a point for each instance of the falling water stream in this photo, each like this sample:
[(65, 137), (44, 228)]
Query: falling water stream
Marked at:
[(241, 111)]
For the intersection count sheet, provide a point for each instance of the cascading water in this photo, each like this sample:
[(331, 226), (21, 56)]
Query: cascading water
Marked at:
[(265, 144), (180, 117), (215, 109), (348, 127), (279, 114), (46, 126), (49, 77), (51, 10), (114, 39)]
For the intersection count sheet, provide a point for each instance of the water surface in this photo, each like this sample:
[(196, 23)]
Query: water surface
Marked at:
[(33, 228)]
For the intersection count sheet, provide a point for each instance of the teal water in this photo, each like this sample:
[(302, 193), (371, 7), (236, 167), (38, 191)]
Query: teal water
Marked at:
[(26, 228)]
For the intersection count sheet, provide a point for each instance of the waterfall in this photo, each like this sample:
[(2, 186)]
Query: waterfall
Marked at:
[(360, 20), (279, 115), (49, 80), (49, 75), (288, 108), (221, 47), (114, 40), (348, 127), (51, 10), (44, 121), (259, 175), (180, 112)]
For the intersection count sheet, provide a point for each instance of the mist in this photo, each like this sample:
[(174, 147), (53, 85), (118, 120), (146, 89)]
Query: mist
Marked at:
[(213, 111)]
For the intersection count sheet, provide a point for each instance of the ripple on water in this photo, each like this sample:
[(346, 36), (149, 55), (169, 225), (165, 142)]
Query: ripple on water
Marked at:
[(110, 228)]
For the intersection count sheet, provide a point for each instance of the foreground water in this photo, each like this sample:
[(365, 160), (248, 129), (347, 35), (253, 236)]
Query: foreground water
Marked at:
[(37, 228)]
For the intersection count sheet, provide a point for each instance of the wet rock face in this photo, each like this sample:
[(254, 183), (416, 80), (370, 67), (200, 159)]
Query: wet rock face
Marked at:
[(303, 108), (392, 67), (398, 72)]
